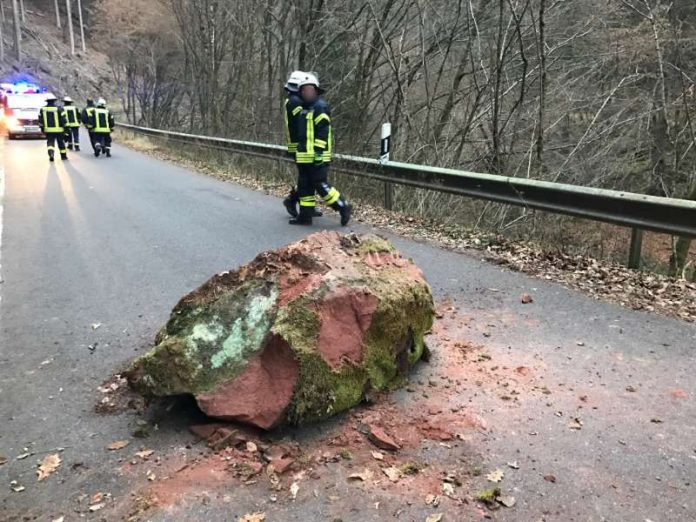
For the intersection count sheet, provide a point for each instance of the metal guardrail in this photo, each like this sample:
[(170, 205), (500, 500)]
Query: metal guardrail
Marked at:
[(637, 211)]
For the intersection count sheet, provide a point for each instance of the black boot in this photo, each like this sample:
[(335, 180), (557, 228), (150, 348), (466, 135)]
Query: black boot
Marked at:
[(304, 218), (317, 212), (50, 156), (77, 148), (63, 156), (97, 150), (108, 152), (290, 203), (345, 209), (70, 146)]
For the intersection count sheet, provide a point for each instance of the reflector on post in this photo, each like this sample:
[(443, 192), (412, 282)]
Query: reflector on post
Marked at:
[(385, 143)]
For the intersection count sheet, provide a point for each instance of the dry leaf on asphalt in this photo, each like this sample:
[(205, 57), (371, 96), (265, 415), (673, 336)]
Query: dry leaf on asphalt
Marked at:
[(394, 474), (526, 299), (495, 476), (294, 489), (432, 500), (3, 459), (513, 465), (253, 517), (448, 489), (97, 507), (16, 487), (48, 465), (144, 454), (435, 517), (251, 447), (377, 455), (365, 475), (117, 445), (576, 424), (506, 500)]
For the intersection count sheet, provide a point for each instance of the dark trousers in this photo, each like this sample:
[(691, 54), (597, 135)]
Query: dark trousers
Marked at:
[(52, 139), (91, 139), (103, 139), (314, 179), (72, 135)]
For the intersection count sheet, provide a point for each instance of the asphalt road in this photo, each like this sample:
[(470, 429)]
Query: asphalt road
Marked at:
[(117, 242)]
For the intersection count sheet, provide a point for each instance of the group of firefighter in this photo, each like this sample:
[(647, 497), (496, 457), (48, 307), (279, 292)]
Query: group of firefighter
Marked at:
[(61, 125), (308, 132)]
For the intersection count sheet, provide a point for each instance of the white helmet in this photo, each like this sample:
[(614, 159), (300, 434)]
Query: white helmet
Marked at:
[(309, 78), (293, 83), (67, 99), (101, 102)]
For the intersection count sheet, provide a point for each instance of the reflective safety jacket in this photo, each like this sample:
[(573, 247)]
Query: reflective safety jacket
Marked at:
[(314, 134), (87, 115), (71, 116), (102, 121), (51, 120), (293, 108)]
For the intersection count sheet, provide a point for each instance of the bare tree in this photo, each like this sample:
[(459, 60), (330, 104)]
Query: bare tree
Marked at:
[(71, 34), (82, 26), (57, 10), (17, 31)]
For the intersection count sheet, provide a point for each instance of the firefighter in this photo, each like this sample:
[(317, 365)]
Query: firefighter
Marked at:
[(52, 125), (293, 107), (313, 154), (102, 124), (87, 115), (72, 124)]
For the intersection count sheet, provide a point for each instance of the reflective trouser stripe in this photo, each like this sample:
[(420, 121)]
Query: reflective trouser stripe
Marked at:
[(332, 196), (308, 201)]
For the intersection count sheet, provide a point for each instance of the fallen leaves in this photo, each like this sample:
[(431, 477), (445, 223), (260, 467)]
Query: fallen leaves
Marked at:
[(16, 487), (117, 445), (435, 517), (253, 517), (392, 473), (575, 424), (294, 489), (3, 459), (377, 455), (495, 476), (363, 476), (48, 466), (432, 500), (526, 299), (550, 478), (144, 454)]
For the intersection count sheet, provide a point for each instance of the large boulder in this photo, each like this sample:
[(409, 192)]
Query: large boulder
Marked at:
[(297, 335)]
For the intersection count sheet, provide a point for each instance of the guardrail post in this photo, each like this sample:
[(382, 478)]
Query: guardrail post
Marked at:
[(384, 147), (636, 248)]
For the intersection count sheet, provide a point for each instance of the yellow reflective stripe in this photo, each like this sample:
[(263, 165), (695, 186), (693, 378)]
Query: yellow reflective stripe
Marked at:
[(320, 143), (309, 201), (322, 117), (292, 147), (70, 115), (310, 134), (332, 196), (51, 147), (296, 110), (54, 126)]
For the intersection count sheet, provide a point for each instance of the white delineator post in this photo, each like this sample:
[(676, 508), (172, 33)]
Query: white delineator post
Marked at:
[(384, 149)]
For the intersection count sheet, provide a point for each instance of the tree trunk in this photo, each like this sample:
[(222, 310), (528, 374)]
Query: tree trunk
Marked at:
[(17, 31), (542, 88), (82, 26), (55, 3), (68, 15), (2, 34), (677, 262)]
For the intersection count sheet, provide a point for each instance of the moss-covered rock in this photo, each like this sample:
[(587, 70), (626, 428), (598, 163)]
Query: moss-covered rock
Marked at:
[(299, 334)]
